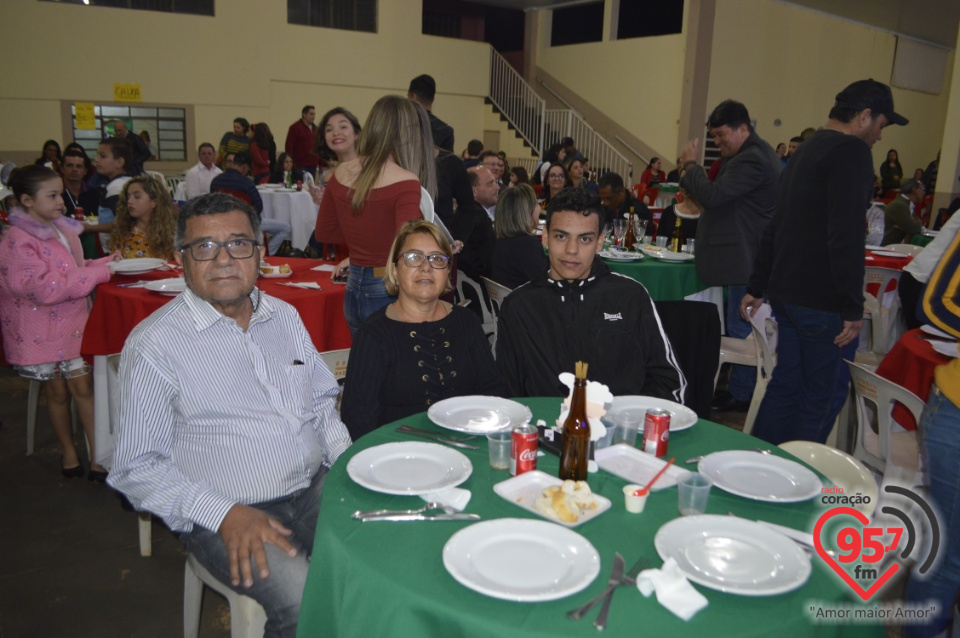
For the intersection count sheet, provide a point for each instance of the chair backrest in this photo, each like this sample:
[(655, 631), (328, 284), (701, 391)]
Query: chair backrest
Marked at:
[(904, 249), (842, 469), (469, 289), (881, 393), (883, 305), (764, 328), (337, 360), (693, 328), (496, 293), (877, 280)]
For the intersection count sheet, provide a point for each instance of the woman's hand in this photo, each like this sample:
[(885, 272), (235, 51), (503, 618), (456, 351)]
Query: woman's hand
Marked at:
[(457, 246), (341, 271), (316, 193)]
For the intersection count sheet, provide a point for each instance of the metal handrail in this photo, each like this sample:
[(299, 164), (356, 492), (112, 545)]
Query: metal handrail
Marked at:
[(603, 156), (517, 101)]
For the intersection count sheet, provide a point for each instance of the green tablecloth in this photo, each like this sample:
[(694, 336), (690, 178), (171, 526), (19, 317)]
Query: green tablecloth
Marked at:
[(388, 579), (665, 281), (921, 240)]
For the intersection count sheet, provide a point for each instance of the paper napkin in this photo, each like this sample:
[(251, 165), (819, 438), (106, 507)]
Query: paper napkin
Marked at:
[(673, 589), (454, 497)]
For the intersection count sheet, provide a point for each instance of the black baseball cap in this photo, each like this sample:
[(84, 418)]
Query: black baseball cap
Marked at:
[(873, 95)]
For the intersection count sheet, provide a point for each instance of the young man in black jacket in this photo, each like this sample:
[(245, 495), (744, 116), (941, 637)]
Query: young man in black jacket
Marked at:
[(580, 311)]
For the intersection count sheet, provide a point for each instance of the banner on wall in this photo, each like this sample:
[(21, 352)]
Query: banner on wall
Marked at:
[(126, 93), (83, 115)]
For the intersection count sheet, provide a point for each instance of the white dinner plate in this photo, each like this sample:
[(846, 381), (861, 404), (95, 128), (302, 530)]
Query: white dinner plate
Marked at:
[(667, 255), (521, 560), (936, 332), (682, 215), (524, 490), (409, 467), (478, 414), (889, 253), (170, 287), (872, 248), (636, 466), (613, 255), (733, 555), (681, 417), (137, 266), (946, 348), (761, 477)]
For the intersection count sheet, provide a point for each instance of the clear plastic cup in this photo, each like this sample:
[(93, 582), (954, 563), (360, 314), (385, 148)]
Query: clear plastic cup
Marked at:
[(693, 491), (626, 428), (499, 443), (688, 247), (661, 242)]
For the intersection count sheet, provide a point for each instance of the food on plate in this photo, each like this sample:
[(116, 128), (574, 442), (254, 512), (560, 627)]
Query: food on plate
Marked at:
[(566, 502), (267, 269), (285, 268)]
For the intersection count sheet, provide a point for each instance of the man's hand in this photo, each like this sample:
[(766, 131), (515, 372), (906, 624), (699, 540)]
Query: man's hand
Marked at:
[(748, 305), (691, 152), (851, 330), (244, 531)]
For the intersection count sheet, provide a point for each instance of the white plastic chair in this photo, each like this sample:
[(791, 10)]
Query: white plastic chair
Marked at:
[(489, 321), (497, 293), (247, 617), (337, 360), (883, 311), (888, 445), (904, 249), (842, 469), (764, 328), (33, 405)]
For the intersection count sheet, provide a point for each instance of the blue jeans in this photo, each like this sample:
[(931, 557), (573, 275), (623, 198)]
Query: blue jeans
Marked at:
[(281, 592), (941, 449), (277, 233), (742, 378), (364, 296), (810, 380)]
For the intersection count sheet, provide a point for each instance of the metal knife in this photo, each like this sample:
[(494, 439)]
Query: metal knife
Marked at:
[(421, 517)]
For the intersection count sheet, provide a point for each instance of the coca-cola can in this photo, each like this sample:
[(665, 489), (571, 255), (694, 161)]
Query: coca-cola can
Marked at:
[(523, 449), (656, 432), (299, 185), (78, 214)]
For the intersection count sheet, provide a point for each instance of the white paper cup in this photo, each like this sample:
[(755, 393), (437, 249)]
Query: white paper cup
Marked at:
[(633, 503)]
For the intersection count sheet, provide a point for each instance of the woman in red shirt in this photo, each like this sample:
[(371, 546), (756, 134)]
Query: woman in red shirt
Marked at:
[(653, 176)]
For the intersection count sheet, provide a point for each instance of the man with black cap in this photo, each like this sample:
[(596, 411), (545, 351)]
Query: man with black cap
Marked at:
[(810, 266)]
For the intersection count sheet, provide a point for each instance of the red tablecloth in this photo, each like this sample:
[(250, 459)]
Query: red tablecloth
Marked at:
[(910, 363), (116, 311)]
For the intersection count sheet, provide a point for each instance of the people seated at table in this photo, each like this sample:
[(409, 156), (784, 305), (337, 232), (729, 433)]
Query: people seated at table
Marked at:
[(689, 214), (235, 181), (617, 201), (286, 173), (199, 177), (518, 253), (146, 220), (580, 311), (940, 439), (473, 225), (263, 153), (368, 199), (45, 285), (495, 164), (51, 156), (113, 157), (219, 433), (900, 222), (891, 174), (235, 141), (518, 175), (653, 175), (419, 349), (916, 274), (575, 177), (556, 181)]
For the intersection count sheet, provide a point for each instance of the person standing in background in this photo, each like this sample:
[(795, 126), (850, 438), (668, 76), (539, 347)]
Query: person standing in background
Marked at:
[(300, 141)]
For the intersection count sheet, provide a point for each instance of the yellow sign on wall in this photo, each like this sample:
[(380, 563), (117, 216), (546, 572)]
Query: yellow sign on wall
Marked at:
[(126, 93), (83, 114)]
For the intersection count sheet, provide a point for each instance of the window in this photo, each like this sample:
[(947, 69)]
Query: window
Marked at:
[(195, 7), (350, 15), (166, 125), (641, 19), (574, 25)]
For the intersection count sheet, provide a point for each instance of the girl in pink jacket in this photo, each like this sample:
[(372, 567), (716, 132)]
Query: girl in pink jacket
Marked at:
[(44, 294)]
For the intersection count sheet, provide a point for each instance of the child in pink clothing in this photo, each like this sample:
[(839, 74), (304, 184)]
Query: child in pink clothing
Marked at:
[(44, 294)]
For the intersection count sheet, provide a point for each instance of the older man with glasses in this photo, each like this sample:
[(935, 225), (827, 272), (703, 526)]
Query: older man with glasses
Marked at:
[(227, 422)]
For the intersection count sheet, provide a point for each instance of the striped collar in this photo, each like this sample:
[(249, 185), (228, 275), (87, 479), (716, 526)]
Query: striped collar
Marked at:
[(204, 315)]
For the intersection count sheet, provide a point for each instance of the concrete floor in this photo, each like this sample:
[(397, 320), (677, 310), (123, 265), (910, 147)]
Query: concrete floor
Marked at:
[(70, 562)]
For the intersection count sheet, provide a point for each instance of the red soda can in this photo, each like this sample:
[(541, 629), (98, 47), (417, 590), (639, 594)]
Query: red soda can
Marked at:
[(656, 432), (523, 449), (299, 185), (78, 214)]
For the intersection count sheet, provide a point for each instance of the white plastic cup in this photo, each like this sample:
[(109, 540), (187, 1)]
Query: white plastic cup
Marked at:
[(688, 248), (631, 501), (661, 242), (499, 443), (693, 491)]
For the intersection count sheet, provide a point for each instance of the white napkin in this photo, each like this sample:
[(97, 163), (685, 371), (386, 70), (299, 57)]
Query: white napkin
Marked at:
[(673, 590), (309, 285), (324, 267), (454, 497)]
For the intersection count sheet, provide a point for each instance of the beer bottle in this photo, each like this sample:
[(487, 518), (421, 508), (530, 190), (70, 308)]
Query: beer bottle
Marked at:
[(676, 238), (576, 431), (630, 239)]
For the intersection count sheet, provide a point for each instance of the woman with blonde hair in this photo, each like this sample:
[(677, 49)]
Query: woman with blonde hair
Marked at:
[(518, 254), (418, 349), (369, 198), (146, 220)]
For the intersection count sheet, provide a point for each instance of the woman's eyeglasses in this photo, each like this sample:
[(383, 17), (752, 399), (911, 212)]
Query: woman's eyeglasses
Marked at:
[(414, 258)]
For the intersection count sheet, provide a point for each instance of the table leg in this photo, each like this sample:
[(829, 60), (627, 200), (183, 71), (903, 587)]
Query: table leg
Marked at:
[(101, 412)]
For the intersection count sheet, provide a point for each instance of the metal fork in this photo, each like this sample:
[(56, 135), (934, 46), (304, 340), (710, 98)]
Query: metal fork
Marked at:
[(630, 579), (468, 437), (580, 612), (435, 437)]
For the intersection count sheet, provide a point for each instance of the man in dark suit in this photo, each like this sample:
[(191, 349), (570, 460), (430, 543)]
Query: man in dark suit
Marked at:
[(738, 205)]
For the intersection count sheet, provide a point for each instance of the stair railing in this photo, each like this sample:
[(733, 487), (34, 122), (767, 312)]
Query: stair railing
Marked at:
[(517, 101), (560, 123)]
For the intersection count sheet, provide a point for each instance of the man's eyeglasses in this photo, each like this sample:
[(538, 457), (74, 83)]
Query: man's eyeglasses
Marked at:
[(414, 259), (203, 250)]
